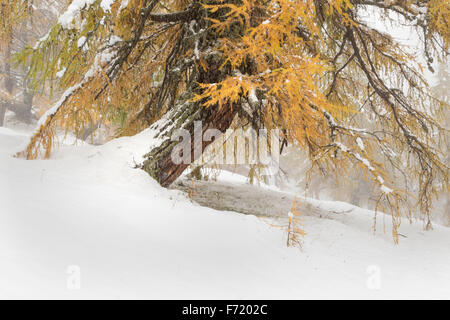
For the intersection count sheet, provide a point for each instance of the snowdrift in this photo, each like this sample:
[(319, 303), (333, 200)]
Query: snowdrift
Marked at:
[(87, 213)]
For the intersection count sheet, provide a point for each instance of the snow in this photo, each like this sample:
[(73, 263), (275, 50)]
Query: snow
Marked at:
[(364, 161), (342, 147), (81, 41), (196, 51), (360, 143), (88, 211), (252, 98), (194, 33), (123, 5), (41, 40), (75, 7), (385, 189), (61, 72), (106, 5), (114, 39)]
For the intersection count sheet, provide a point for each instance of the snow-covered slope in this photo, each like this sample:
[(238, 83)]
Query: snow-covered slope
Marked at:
[(87, 210)]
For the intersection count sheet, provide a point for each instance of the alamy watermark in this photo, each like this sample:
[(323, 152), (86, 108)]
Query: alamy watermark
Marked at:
[(373, 281), (74, 277), (237, 147)]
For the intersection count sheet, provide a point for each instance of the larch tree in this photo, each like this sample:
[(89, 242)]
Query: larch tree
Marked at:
[(311, 68), (12, 13), (442, 90), (22, 23)]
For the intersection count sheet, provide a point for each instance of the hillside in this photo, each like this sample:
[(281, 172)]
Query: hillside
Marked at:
[(130, 238)]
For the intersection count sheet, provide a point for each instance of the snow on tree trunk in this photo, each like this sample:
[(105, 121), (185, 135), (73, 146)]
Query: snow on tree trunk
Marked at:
[(158, 162), (183, 115)]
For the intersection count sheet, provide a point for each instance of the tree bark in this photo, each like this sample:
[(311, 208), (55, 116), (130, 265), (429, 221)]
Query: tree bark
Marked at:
[(183, 113), (28, 95), (22, 110), (2, 115), (8, 82), (158, 161)]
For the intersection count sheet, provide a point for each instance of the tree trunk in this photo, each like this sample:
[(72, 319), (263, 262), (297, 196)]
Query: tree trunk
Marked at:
[(89, 131), (158, 161), (2, 115), (28, 94), (8, 82), (25, 113), (183, 113), (22, 110)]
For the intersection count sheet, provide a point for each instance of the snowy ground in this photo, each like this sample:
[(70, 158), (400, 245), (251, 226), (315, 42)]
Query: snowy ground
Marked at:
[(87, 217)]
